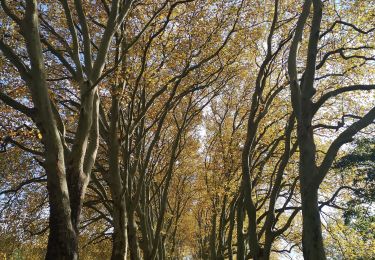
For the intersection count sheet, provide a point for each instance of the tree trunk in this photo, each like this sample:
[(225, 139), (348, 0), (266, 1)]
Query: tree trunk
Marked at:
[(231, 228), (312, 240), (221, 231), (213, 237), (62, 243), (240, 255), (267, 250), (115, 183), (120, 236), (132, 237), (62, 238)]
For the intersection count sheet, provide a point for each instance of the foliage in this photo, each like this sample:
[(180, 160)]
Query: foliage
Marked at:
[(194, 128)]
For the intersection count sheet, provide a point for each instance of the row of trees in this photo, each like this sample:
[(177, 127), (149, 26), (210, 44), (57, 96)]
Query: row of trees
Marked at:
[(204, 129)]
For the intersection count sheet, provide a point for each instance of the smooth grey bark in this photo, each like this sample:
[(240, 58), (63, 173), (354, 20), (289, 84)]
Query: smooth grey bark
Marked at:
[(312, 239), (312, 175), (169, 175), (133, 240), (254, 118), (120, 236), (63, 236), (115, 183), (240, 235), (221, 231), (270, 233), (232, 220), (68, 169)]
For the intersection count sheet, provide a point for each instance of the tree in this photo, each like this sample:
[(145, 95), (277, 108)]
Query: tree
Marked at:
[(68, 168), (303, 90), (212, 129)]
